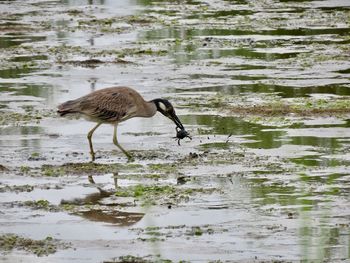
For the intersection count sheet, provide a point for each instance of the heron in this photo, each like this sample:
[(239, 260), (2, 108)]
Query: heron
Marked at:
[(114, 105)]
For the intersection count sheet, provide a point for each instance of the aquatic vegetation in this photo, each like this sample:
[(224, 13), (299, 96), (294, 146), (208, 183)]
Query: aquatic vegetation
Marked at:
[(40, 248), (136, 259), (41, 205), (143, 133), (269, 105), (87, 168), (263, 87), (197, 231), (166, 168), (15, 117), (159, 194), (298, 107), (16, 188)]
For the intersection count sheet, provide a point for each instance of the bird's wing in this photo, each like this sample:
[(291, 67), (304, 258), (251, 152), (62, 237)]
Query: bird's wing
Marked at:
[(108, 105)]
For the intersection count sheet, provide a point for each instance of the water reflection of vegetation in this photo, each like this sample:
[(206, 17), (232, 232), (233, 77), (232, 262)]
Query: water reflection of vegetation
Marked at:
[(236, 126), (28, 58), (282, 196), (13, 73), (24, 143), (178, 32), (27, 89), (318, 239), (331, 144), (266, 192), (11, 40), (318, 161), (84, 2), (284, 91)]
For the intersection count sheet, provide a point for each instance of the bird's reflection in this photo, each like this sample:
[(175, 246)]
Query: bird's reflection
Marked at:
[(115, 217), (115, 179), (91, 41), (92, 2), (105, 212), (92, 82)]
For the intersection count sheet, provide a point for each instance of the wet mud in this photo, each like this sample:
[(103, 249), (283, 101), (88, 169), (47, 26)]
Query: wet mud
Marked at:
[(262, 87)]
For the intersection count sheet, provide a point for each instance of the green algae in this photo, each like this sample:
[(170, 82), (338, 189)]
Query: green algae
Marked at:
[(197, 231), (8, 118), (268, 105), (16, 188), (29, 116), (87, 168), (40, 204), (166, 168), (146, 191), (137, 259), (215, 145), (44, 247), (160, 194), (143, 133), (298, 107)]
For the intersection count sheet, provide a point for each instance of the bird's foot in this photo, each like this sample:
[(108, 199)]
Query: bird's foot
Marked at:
[(92, 156), (130, 158), (128, 155)]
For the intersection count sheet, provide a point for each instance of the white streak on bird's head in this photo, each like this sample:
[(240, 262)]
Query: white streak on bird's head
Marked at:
[(162, 106), (165, 108)]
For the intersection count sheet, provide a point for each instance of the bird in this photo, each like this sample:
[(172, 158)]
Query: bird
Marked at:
[(115, 105)]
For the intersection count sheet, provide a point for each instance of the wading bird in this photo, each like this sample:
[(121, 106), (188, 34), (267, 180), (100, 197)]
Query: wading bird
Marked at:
[(114, 105)]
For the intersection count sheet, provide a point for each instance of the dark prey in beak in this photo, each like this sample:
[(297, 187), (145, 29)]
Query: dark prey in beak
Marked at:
[(165, 108), (181, 134)]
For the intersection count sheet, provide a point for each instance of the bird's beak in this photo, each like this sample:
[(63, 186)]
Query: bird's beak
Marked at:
[(176, 120)]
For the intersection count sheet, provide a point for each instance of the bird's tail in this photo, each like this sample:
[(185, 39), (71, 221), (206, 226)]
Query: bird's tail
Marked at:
[(67, 107)]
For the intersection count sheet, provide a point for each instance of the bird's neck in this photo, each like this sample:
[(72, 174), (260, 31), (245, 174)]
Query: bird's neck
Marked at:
[(150, 109)]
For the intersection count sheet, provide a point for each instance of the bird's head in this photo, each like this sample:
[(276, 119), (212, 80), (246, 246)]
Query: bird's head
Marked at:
[(165, 108)]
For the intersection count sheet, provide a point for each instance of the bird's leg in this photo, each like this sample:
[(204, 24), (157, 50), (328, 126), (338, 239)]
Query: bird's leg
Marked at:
[(115, 141), (91, 179), (103, 193), (89, 136), (115, 178)]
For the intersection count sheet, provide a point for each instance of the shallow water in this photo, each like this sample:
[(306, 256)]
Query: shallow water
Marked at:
[(261, 188)]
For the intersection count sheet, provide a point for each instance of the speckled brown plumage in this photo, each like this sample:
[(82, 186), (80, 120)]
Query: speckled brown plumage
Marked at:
[(112, 105)]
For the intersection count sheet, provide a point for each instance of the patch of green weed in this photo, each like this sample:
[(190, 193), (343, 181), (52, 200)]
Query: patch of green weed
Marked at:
[(42, 247)]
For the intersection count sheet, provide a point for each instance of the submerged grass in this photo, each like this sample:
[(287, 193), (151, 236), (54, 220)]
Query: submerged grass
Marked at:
[(87, 168), (41, 204), (7, 117), (16, 188), (29, 116), (44, 247), (300, 107), (268, 105), (137, 259), (160, 194)]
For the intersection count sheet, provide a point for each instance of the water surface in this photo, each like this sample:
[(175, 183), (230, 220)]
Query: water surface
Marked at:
[(263, 189)]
